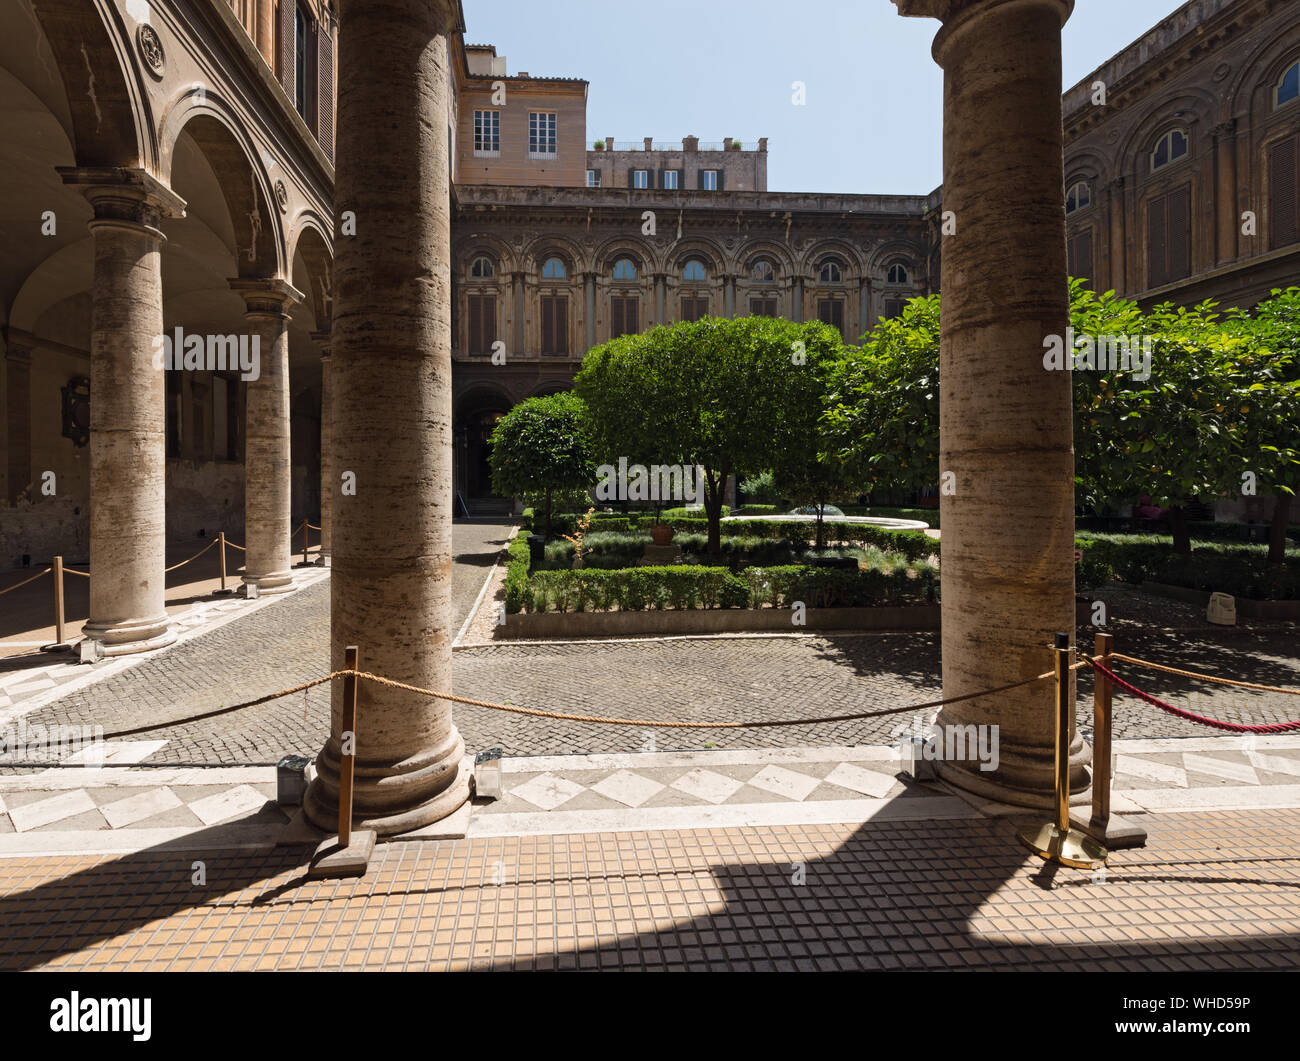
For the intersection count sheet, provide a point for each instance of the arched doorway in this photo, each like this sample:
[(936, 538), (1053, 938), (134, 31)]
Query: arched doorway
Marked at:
[(477, 416)]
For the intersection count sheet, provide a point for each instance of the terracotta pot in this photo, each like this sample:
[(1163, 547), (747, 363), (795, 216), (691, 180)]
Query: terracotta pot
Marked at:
[(661, 533)]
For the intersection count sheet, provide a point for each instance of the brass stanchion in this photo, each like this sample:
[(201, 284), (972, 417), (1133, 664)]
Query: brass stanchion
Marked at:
[(60, 644), (348, 854), (1054, 841), (305, 532), (221, 548), (1101, 725)]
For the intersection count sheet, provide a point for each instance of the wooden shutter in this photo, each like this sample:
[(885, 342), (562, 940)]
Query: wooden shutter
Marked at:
[(288, 44), (722, 178), (762, 307), (699, 180), (893, 308), (831, 311), (1179, 233), (325, 88), (631, 178), (548, 324), (561, 324), (1284, 193), (694, 309), (475, 324), (1080, 255), (1157, 244), (623, 316)]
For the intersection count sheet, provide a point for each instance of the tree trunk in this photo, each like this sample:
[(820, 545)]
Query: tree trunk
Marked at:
[(1179, 529), (713, 508), (821, 525), (1277, 533), (547, 532)]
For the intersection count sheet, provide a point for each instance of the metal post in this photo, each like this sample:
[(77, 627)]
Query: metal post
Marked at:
[(58, 599), (304, 543), (1101, 737), (221, 548), (1054, 841), (347, 761)]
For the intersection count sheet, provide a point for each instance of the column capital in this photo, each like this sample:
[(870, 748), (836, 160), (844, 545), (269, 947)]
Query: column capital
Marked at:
[(958, 16), (124, 196), (1226, 129), (266, 295), (324, 340), (19, 346)]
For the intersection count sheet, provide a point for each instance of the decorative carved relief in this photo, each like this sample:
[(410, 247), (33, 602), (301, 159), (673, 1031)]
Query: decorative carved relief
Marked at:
[(151, 50), (282, 196)]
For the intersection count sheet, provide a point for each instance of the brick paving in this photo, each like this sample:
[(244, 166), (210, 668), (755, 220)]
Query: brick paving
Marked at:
[(689, 679), (881, 895)]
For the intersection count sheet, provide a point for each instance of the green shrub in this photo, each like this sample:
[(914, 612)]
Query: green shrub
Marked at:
[(756, 510), (517, 563), (1238, 568)]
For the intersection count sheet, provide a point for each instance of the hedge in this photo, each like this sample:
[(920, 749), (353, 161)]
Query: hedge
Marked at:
[(697, 586), (517, 563), (1239, 569)]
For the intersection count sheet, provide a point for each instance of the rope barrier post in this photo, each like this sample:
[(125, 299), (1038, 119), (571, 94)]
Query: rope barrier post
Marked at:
[(1054, 841), (221, 548), (304, 543), (348, 854), (60, 644), (1101, 735)]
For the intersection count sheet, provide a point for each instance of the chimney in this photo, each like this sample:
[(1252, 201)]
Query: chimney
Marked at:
[(762, 143), (649, 143), (690, 143)]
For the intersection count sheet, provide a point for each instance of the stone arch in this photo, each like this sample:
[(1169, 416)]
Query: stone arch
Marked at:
[(1261, 71), (886, 254), (467, 248), (715, 258), (553, 246), (1161, 116), (752, 250), (475, 411), (832, 247), (608, 252), (310, 244), (112, 123), (259, 232)]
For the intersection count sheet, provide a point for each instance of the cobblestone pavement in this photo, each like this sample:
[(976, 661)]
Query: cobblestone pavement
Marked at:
[(688, 679), (942, 894)]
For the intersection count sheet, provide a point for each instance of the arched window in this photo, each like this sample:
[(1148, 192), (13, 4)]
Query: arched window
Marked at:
[(1169, 148), (554, 270), (1079, 196), (830, 271), (897, 274), (695, 272), (1289, 87), (763, 271), (482, 269), (624, 269)]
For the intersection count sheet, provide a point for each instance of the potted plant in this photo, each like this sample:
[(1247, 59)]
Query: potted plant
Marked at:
[(661, 533), (580, 532), (599, 145)]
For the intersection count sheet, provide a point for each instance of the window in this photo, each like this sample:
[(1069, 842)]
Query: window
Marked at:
[(1169, 148), (1289, 87), (555, 325), (541, 135), (593, 178), (1079, 253), (763, 271), (554, 270), (624, 269), (300, 39), (640, 178), (695, 272), (482, 323), (831, 311), (482, 269), (897, 274), (709, 180), (694, 308), (670, 179), (762, 307), (1284, 192), (487, 134), (830, 272), (1169, 237), (893, 308), (623, 316), (1079, 196)]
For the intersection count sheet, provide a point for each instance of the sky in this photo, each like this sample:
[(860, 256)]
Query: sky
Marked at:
[(724, 69)]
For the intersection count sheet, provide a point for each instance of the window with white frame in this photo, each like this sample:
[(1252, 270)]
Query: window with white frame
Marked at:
[(487, 134), (640, 178), (542, 140), (1079, 196), (709, 180), (593, 178), (670, 179), (897, 274), (1288, 88), (1169, 148)]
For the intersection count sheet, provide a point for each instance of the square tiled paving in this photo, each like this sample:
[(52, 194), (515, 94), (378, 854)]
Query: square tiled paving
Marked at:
[(1212, 890)]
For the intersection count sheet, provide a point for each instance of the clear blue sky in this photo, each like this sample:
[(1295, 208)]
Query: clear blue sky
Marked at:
[(724, 69)]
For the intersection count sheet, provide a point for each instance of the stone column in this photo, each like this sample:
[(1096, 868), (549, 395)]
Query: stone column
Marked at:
[(661, 298), (796, 299), (1225, 191), (864, 308), (128, 446), (517, 295), (1005, 420), (728, 295), (589, 307), (390, 588), (1118, 246), (266, 31), (327, 481), (268, 492), (18, 416)]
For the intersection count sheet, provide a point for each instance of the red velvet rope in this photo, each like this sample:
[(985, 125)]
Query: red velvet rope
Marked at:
[(1214, 723)]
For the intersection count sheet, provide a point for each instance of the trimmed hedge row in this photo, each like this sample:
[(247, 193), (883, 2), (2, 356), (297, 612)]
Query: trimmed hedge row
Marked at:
[(517, 564), (696, 586), (1225, 567)]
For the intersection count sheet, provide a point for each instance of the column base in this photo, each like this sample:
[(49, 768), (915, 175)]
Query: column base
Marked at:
[(991, 787), (128, 636), (391, 798), (275, 582)]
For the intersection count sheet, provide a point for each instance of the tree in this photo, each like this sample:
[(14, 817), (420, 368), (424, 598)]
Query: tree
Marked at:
[(882, 408), (715, 393), (1271, 415), (542, 445)]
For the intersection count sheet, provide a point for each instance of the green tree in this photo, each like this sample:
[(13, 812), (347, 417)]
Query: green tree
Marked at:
[(725, 395), (542, 445)]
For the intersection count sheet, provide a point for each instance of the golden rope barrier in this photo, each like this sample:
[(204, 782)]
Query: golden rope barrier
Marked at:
[(1203, 677), (210, 544), (79, 574), (26, 580), (234, 546), (567, 717)]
